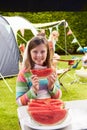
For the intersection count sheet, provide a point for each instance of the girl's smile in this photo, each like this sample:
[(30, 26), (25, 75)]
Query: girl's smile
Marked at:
[(39, 54)]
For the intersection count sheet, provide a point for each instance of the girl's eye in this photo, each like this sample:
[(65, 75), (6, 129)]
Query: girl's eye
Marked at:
[(35, 52), (42, 52)]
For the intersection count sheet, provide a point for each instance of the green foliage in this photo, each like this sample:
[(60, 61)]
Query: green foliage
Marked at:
[(76, 91), (76, 20), (24, 39)]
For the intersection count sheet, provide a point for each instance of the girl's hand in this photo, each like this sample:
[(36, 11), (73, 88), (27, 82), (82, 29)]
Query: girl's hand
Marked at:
[(35, 83), (51, 80)]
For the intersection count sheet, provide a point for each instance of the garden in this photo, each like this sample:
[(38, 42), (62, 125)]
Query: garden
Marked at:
[(76, 87), (76, 90)]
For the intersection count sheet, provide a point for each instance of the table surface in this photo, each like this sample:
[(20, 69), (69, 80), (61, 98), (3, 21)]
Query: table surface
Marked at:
[(77, 111)]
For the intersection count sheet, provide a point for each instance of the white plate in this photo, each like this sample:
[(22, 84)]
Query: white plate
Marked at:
[(30, 123)]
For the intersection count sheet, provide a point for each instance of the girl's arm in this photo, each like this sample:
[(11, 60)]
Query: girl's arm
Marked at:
[(56, 91), (24, 91)]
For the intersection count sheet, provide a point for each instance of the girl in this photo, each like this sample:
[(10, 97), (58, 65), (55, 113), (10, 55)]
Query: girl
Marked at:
[(37, 56)]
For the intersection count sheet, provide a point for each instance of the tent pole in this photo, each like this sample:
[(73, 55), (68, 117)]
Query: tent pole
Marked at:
[(22, 38), (6, 83)]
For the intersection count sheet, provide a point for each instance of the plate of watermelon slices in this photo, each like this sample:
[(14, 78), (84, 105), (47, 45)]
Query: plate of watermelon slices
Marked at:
[(35, 126), (47, 114)]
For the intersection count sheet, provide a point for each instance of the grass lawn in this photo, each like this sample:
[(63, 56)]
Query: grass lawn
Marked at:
[(8, 106)]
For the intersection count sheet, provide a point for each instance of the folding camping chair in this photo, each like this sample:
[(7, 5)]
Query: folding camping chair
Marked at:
[(62, 72)]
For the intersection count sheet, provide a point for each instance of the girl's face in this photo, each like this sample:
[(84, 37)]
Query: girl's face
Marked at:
[(39, 54)]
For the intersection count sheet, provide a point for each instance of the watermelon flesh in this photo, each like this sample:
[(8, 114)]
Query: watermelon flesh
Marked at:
[(47, 111), (42, 72)]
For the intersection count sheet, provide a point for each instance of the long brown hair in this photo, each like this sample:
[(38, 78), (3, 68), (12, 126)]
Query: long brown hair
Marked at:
[(34, 42)]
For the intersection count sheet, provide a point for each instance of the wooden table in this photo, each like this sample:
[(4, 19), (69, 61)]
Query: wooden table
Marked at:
[(77, 111)]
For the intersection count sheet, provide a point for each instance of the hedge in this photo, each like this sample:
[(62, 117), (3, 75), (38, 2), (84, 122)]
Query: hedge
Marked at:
[(76, 20)]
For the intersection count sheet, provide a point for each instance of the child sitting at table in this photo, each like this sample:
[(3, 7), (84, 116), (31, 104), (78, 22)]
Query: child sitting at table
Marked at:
[(36, 56)]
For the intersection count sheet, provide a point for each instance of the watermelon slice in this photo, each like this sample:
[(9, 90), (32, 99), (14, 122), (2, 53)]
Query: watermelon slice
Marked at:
[(45, 108), (49, 117), (46, 101), (42, 72), (37, 106), (43, 102), (44, 105)]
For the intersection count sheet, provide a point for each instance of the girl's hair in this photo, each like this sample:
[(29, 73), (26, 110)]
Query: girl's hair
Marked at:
[(34, 42)]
